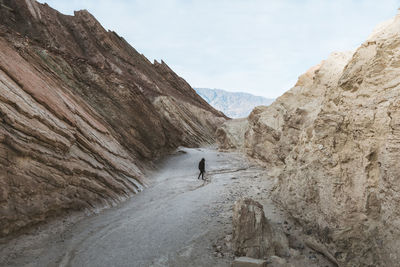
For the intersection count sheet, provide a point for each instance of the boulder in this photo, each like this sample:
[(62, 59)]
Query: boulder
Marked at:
[(253, 235), (249, 262)]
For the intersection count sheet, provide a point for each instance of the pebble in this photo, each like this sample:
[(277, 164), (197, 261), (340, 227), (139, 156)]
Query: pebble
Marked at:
[(312, 257)]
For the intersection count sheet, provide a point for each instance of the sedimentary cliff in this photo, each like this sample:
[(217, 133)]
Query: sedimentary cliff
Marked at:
[(333, 144), (82, 114)]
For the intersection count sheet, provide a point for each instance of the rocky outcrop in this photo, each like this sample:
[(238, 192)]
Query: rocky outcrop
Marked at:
[(269, 133), (230, 135), (82, 114), (333, 141), (253, 235)]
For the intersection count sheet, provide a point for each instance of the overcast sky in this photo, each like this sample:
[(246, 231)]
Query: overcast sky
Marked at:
[(254, 46)]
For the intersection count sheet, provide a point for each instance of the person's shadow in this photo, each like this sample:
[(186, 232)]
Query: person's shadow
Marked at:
[(207, 179)]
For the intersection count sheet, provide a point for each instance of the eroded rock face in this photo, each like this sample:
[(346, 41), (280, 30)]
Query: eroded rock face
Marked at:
[(269, 133), (81, 114), (253, 235), (334, 138), (231, 134)]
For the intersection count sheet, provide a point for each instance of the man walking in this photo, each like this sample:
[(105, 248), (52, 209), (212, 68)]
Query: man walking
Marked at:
[(202, 167)]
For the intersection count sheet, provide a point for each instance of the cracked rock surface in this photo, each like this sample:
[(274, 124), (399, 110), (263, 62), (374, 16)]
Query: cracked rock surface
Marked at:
[(332, 142), (82, 115)]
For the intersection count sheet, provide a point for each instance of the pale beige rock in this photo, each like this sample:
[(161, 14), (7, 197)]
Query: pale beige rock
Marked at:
[(335, 140), (248, 262), (275, 261), (231, 134), (270, 132), (253, 235)]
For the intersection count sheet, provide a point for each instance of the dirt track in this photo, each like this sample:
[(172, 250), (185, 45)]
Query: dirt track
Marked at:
[(177, 221)]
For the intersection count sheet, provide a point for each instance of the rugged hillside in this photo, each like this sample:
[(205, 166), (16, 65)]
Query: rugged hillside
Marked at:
[(82, 114), (234, 105), (333, 141), (269, 132)]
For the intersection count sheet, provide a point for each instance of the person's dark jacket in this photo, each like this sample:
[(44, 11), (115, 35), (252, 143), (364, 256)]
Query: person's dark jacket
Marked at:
[(202, 165)]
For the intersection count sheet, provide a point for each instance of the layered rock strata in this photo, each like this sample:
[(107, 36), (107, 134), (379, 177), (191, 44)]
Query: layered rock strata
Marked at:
[(82, 114), (333, 140)]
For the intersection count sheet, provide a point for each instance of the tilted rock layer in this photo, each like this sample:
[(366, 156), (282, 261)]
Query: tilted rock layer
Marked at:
[(82, 114), (334, 143)]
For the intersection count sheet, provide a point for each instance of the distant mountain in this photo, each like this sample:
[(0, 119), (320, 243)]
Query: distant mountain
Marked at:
[(234, 105)]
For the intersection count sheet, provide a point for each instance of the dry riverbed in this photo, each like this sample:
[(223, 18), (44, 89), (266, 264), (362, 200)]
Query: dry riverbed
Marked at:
[(177, 221)]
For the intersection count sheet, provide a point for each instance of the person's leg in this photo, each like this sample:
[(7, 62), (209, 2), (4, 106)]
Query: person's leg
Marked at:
[(202, 175), (199, 175)]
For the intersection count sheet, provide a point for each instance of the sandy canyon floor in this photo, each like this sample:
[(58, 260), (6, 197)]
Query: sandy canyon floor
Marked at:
[(177, 221)]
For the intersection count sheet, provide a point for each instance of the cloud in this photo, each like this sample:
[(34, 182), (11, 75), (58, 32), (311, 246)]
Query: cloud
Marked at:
[(256, 46)]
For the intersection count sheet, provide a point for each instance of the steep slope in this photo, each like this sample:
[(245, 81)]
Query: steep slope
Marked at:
[(82, 114), (269, 132), (333, 141), (233, 104)]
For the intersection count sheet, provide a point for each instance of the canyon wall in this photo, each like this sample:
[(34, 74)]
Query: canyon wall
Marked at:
[(82, 114), (333, 144)]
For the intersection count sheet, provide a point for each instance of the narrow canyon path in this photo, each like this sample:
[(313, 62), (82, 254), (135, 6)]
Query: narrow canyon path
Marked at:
[(177, 221)]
